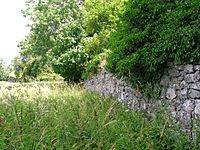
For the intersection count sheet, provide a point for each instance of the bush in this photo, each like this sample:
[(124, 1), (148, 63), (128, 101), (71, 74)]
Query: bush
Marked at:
[(70, 65), (152, 33), (95, 64), (99, 19), (49, 76)]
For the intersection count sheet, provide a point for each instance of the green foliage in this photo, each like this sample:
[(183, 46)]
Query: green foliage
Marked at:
[(70, 64), (48, 75), (153, 33), (100, 15), (66, 37), (3, 70), (54, 39), (99, 19), (143, 36), (95, 65), (60, 116), (27, 69)]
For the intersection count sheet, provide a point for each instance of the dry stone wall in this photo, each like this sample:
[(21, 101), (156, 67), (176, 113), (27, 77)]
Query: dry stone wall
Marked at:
[(107, 84), (180, 88)]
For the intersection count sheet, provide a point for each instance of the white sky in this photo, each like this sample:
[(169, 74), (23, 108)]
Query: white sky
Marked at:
[(12, 28)]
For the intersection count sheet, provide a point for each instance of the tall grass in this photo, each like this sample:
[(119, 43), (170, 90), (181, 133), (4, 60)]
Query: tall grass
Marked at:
[(60, 116)]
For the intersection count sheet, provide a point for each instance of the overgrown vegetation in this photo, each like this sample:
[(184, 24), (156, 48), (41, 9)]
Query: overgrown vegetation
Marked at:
[(54, 40), (138, 38), (67, 38), (153, 33), (71, 41), (4, 71), (60, 116), (99, 20)]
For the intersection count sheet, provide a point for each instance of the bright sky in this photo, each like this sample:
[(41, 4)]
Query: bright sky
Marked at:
[(12, 28)]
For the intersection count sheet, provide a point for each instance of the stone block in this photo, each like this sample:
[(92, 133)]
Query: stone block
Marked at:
[(188, 106), (194, 93), (195, 86), (171, 93), (189, 69), (180, 67), (191, 78), (197, 109), (183, 84), (196, 67), (197, 75), (180, 78), (182, 94), (173, 72), (184, 91)]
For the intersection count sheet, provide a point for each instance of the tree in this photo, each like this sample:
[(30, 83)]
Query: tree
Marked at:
[(54, 39), (3, 70)]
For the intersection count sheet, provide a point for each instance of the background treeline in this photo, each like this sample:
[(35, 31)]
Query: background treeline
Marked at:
[(131, 38), (4, 71)]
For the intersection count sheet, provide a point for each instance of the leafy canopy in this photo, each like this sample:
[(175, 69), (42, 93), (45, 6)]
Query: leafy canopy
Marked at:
[(54, 39)]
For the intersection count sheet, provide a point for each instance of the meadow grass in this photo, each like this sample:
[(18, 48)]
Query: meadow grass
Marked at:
[(38, 116)]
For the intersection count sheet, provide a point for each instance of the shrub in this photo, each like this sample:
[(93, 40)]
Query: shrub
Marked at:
[(49, 76), (99, 19), (95, 64), (71, 64), (152, 33)]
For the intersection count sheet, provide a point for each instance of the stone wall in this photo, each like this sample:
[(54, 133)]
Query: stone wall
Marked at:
[(180, 87), (106, 83)]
